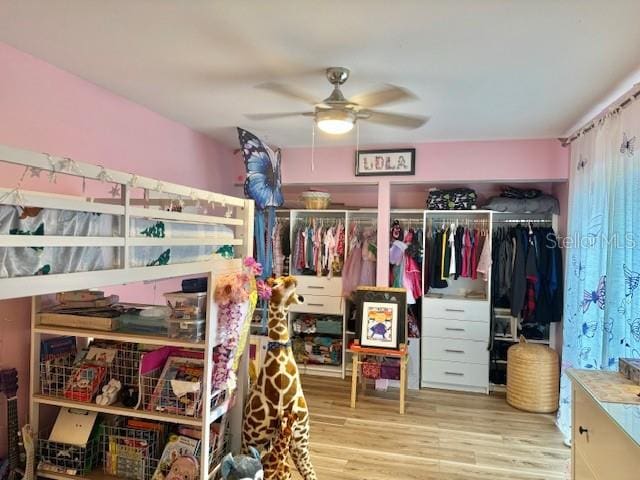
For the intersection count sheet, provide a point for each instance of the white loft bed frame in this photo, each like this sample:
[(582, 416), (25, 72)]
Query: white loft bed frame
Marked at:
[(126, 207)]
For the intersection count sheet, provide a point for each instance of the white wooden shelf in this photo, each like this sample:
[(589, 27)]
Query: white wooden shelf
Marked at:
[(118, 410), (324, 370), (119, 336), (47, 284), (97, 474)]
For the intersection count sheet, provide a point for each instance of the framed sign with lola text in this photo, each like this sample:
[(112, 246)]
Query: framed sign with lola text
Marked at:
[(401, 161)]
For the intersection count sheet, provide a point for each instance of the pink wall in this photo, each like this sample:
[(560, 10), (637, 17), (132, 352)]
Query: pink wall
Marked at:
[(43, 108), (505, 161), (509, 161)]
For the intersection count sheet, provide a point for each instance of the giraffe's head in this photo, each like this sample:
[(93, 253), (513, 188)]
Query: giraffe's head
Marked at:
[(283, 292)]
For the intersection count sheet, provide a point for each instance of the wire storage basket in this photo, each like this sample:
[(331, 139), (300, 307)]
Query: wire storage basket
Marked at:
[(81, 380), (533, 377), (68, 459), (128, 452)]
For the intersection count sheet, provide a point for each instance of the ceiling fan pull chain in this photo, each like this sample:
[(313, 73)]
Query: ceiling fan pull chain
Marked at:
[(313, 145), (357, 137)]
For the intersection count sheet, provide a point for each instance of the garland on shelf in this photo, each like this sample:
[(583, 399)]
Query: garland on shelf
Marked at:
[(236, 296)]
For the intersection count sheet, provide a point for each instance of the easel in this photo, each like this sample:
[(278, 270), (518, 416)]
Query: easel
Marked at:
[(356, 350)]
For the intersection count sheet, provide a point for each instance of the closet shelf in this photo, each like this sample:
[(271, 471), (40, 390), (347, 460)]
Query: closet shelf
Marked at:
[(517, 340), (329, 370), (119, 336), (443, 296)]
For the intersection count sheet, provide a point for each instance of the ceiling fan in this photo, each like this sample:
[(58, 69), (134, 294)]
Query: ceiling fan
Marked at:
[(337, 115)]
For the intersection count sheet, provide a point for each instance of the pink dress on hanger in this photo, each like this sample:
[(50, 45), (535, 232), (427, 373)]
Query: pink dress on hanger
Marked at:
[(353, 263), (368, 271), (411, 276)]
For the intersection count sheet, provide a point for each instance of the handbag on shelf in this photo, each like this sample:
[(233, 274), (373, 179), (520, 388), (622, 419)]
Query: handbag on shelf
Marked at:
[(453, 199)]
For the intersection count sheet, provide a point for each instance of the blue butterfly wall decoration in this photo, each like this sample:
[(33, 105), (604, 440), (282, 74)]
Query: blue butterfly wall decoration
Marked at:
[(264, 185)]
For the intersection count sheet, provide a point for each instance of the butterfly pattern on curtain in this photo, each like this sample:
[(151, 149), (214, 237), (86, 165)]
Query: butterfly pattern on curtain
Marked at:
[(602, 301)]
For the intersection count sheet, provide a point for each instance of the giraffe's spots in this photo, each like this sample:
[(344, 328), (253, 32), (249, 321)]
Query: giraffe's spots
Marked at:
[(256, 403), (302, 403), (291, 368), (270, 390), (259, 415), (272, 369), (290, 393)]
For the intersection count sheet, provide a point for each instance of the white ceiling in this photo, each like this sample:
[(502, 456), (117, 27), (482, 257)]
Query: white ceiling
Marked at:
[(483, 69)]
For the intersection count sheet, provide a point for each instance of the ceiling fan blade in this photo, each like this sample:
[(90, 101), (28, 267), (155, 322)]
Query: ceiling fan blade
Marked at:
[(384, 96), (289, 91), (395, 119), (272, 116)]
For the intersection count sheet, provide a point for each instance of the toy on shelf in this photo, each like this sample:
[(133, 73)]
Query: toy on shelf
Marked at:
[(242, 467), (278, 393), (110, 393)]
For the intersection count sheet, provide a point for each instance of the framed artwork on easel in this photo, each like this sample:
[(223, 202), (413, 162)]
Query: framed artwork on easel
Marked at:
[(382, 316)]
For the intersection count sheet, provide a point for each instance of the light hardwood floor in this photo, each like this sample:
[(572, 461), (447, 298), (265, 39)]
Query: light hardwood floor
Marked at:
[(443, 436)]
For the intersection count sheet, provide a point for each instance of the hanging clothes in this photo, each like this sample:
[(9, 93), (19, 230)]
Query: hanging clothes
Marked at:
[(527, 265), (369, 255), (318, 248), (353, 263), (405, 258)]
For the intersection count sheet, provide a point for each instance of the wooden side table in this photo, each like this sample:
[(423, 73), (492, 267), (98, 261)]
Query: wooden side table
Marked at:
[(357, 351)]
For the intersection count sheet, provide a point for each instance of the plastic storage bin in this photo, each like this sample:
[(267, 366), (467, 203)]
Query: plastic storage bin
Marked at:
[(187, 306), (328, 326), (187, 329)]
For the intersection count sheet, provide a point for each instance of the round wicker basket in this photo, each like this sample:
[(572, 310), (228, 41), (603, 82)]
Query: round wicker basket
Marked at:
[(533, 377), (314, 200)]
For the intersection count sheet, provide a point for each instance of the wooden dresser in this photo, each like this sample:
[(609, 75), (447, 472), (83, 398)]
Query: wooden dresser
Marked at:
[(605, 435)]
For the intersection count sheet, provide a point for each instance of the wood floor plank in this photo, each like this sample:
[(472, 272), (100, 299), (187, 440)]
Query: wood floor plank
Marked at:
[(443, 436)]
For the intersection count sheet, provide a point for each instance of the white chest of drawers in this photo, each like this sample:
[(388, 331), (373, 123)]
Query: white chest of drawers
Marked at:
[(455, 339)]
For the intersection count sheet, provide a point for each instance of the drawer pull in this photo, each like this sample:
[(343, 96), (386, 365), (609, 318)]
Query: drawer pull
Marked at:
[(458, 310), (316, 304), (583, 430), (315, 287), (456, 374), (449, 329), (449, 350)]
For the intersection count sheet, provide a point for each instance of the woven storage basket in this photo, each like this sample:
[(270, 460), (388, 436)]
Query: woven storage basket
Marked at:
[(533, 377)]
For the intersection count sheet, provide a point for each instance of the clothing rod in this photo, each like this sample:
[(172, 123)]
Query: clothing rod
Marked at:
[(520, 220), (614, 108)]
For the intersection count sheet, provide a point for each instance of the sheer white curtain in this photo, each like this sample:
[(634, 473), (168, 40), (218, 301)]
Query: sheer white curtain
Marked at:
[(602, 300)]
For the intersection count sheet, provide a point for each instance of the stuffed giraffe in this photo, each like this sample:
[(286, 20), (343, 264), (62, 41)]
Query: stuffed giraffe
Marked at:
[(278, 393), (276, 460)]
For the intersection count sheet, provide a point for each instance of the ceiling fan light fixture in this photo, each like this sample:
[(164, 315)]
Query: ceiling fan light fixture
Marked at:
[(335, 122)]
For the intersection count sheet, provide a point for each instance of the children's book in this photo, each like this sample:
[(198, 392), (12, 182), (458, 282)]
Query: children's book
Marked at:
[(84, 382), (101, 355), (57, 347), (179, 459), (179, 387)]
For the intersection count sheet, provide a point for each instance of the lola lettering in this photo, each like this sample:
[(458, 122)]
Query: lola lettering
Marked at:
[(385, 163)]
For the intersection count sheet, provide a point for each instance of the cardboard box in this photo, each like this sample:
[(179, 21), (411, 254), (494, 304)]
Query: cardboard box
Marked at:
[(630, 368), (78, 321)]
